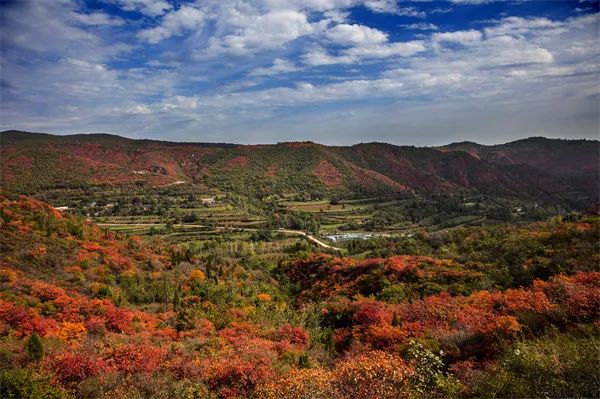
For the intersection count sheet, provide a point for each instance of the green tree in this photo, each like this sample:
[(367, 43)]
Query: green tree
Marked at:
[(176, 299), (395, 320), (24, 384), (184, 320), (34, 347), (304, 361)]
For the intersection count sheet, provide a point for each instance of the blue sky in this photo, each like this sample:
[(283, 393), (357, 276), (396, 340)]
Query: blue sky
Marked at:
[(330, 71)]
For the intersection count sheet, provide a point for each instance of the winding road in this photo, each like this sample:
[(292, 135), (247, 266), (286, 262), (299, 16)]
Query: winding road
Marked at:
[(295, 232), (312, 238)]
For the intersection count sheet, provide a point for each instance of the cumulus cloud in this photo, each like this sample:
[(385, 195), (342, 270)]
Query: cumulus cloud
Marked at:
[(320, 56), (251, 33), (402, 49), (355, 35), (388, 6), (464, 37), (241, 66), (361, 42), (279, 66), (174, 24), (391, 7)]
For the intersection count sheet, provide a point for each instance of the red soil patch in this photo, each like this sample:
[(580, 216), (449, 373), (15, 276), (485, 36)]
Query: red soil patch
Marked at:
[(328, 174), (237, 161)]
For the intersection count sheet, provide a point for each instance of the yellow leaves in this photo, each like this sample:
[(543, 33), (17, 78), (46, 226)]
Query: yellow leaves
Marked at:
[(8, 276), (71, 332), (129, 273), (197, 275), (155, 275), (372, 375), (298, 384), (264, 297), (507, 324)]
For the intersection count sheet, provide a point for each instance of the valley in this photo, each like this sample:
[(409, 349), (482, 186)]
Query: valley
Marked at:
[(160, 269)]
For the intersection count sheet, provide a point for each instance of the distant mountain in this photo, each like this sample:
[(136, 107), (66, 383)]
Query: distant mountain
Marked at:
[(556, 157), (539, 168)]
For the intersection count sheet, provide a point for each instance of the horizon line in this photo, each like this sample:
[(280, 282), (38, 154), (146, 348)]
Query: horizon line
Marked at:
[(216, 143)]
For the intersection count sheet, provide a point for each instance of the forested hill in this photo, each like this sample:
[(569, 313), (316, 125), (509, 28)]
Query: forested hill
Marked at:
[(542, 169), (478, 312)]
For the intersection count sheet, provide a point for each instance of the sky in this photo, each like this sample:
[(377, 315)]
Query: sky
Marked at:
[(336, 72)]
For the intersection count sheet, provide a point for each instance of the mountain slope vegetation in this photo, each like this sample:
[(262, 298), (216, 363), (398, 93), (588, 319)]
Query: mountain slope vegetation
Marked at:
[(89, 313), (552, 171)]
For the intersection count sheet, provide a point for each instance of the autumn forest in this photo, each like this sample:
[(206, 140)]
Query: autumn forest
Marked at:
[(414, 287)]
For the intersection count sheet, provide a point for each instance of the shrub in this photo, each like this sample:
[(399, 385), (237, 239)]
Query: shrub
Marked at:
[(34, 347), (557, 366), (24, 384), (429, 379), (71, 368)]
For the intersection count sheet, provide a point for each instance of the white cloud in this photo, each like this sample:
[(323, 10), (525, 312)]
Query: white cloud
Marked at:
[(322, 5), (440, 10), (489, 68), (251, 33), (513, 63), (420, 79), (152, 8), (174, 24), (464, 37), (336, 16), (391, 7), (61, 21), (387, 6), (279, 66), (506, 51), (355, 35), (137, 109), (362, 43), (402, 49), (319, 56), (97, 18), (302, 93), (421, 26), (518, 25)]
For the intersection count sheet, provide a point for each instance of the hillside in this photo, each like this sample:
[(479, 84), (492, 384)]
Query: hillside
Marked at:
[(540, 169), (557, 157), (87, 313)]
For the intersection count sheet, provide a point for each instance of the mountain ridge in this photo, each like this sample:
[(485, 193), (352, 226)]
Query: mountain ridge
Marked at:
[(545, 169), (13, 132)]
